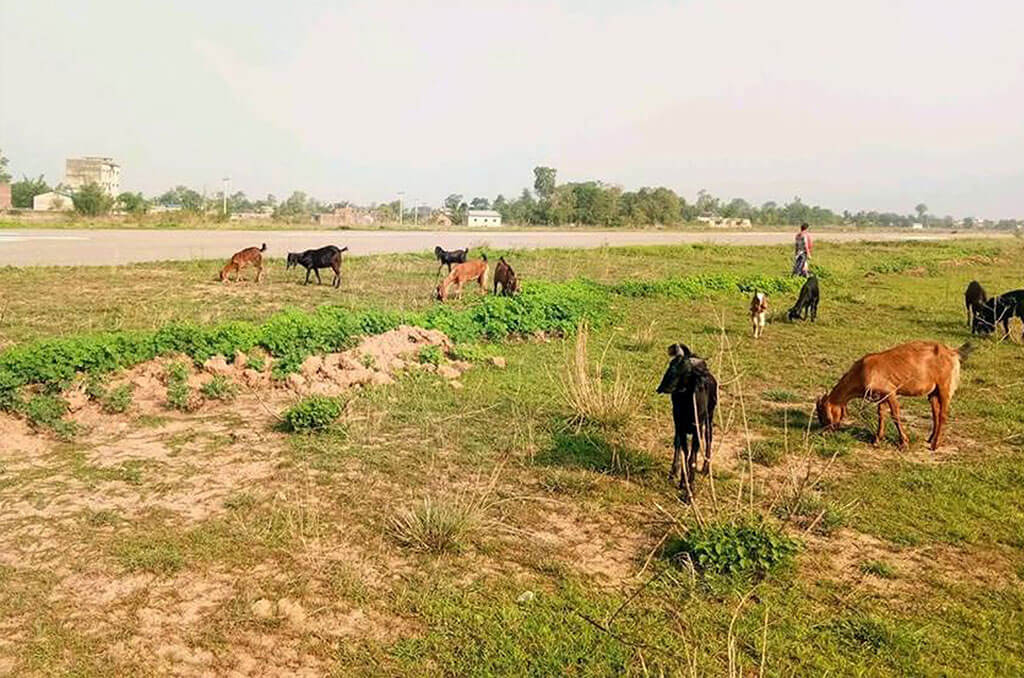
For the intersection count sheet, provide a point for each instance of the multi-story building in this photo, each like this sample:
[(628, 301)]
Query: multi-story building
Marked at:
[(93, 169)]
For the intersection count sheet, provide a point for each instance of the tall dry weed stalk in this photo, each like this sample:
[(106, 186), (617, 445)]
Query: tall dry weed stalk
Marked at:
[(591, 398)]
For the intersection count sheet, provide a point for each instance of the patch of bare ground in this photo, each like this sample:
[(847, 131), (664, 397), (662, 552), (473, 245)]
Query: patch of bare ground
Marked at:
[(915, 569), (595, 544)]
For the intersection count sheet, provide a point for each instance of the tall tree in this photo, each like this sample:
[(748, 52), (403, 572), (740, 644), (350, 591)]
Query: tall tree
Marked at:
[(5, 176), (544, 181), (480, 204), (922, 211), (91, 200), (23, 191), (132, 203)]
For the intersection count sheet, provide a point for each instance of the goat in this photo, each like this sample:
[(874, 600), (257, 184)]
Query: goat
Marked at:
[(807, 302), (239, 260), (758, 312), (997, 310), (974, 299), (694, 393), (450, 257), (917, 368), (506, 277), (463, 273), (314, 260)]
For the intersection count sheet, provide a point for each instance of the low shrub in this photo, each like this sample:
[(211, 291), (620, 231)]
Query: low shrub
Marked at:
[(117, 400), (219, 388), (291, 335), (45, 410), (734, 548), (315, 413), (179, 396), (430, 355)]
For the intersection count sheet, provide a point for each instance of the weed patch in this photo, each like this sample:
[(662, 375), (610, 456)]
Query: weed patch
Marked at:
[(744, 548), (315, 413)]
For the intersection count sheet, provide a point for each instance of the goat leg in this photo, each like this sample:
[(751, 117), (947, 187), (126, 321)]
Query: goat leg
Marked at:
[(676, 457), (894, 410)]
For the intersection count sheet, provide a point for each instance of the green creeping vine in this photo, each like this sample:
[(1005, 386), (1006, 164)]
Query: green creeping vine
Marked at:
[(292, 335)]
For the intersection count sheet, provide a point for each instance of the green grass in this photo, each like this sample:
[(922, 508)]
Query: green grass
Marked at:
[(570, 502)]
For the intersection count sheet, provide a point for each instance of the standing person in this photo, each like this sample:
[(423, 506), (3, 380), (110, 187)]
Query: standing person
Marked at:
[(802, 256)]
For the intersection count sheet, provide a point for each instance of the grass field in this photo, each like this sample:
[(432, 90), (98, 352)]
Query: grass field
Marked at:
[(491, 526)]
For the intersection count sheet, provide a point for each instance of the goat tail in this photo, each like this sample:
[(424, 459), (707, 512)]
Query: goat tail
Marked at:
[(964, 351), (263, 247), (344, 249)]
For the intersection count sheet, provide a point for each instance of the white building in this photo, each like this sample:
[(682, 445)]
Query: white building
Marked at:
[(93, 169), (52, 202), (483, 218)]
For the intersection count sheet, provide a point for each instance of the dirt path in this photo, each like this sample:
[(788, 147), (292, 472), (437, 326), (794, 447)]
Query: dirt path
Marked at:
[(66, 247)]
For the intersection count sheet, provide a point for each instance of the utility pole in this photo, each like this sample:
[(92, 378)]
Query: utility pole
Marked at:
[(416, 212), (224, 194), (400, 215)]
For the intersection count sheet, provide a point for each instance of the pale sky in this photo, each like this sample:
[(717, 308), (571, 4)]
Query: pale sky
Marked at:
[(855, 105)]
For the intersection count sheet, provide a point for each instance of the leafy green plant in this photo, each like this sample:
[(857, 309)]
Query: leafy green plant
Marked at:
[(430, 355), (219, 388), (178, 392), (45, 410), (315, 413), (734, 548), (117, 400), (256, 362)]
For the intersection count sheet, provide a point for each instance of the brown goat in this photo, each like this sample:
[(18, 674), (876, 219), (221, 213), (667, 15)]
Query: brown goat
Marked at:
[(917, 368), (506, 277), (758, 312), (239, 260), (463, 273)]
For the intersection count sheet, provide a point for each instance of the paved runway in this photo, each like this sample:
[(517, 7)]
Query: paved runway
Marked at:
[(67, 247)]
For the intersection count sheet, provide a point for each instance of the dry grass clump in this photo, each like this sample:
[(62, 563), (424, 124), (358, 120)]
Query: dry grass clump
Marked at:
[(589, 396), (437, 526)]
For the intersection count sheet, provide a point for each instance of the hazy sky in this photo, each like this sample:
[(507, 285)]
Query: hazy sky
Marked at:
[(867, 104)]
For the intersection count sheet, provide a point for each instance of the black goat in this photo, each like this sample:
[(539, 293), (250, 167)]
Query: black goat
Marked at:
[(314, 260), (694, 392), (974, 299), (450, 257), (999, 310), (807, 302)]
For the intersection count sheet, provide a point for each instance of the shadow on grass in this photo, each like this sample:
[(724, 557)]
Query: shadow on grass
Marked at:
[(592, 451)]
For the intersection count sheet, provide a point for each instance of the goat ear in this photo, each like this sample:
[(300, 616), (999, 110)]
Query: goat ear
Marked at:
[(675, 351)]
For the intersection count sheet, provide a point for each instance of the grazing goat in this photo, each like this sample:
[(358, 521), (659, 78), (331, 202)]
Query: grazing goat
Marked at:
[(807, 302), (758, 312), (918, 368), (314, 260), (999, 310), (463, 273), (239, 260), (506, 277), (450, 257), (974, 299), (694, 392)]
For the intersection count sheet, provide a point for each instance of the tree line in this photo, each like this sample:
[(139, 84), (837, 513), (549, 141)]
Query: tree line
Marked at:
[(584, 203)]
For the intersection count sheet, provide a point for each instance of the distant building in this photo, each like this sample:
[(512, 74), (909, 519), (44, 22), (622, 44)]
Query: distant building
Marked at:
[(93, 169), (345, 216), (52, 202), (917, 226), (5, 196), (483, 218), (724, 222)]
